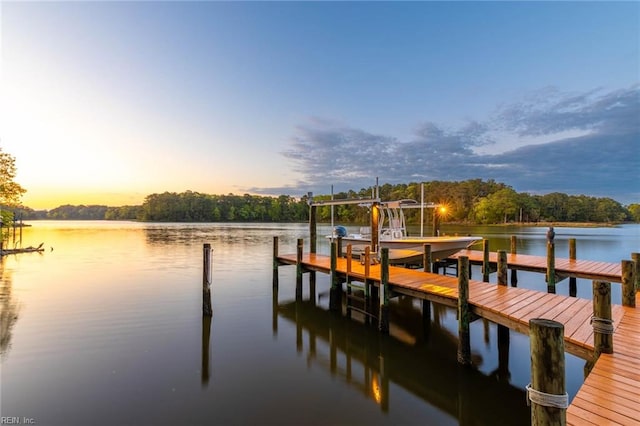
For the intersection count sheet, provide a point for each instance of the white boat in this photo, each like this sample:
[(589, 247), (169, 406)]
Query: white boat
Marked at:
[(392, 234)]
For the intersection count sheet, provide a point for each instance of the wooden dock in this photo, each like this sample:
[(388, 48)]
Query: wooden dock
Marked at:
[(592, 270), (610, 393)]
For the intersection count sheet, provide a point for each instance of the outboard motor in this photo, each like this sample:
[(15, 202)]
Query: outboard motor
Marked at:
[(339, 231)]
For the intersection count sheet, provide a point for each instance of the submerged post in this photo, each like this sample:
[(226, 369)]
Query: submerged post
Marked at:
[(206, 280), (384, 291), (573, 287), (464, 313), (502, 267), (628, 284), (485, 261), (551, 268), (547, 392)]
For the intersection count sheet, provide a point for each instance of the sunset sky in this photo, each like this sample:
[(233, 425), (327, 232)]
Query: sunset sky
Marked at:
[(105, 103)]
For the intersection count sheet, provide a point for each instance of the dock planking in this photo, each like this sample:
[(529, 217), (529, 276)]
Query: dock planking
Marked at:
[(588, 269), (608, 395)]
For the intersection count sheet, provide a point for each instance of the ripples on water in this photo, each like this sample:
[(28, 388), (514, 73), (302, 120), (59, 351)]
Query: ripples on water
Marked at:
[(106, 328)]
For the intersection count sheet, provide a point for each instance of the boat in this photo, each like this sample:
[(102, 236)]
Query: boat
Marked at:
[(392, 234)]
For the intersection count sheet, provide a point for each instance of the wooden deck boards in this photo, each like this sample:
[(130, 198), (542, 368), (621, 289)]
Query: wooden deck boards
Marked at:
[(588, 269), (608, 396)]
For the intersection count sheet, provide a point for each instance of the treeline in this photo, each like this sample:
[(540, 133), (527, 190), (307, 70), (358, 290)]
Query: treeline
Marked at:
[(471, 201)]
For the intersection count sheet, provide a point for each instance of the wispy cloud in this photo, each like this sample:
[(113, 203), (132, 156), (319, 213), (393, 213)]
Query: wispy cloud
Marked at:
[(602, 160)]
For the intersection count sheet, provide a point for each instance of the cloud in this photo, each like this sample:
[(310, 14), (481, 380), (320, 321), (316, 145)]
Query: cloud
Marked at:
[(585, 143)]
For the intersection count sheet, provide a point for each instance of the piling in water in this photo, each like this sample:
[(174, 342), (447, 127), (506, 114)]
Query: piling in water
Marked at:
[(206, 280)]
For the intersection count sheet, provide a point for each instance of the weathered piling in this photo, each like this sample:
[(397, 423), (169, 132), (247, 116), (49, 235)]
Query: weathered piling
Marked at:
[(628, 283), (464, 313), (601, 322), (276, 264), (383, 318), (547, 393), (334, 292), (573, 287), (502, 267), (206, 280), (313, 233), (514, 250), (299, 268), (486, 268), (636, 266), (427, 258), (551, 268)]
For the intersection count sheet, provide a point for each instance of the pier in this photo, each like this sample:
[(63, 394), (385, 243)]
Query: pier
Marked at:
[(611, 390)]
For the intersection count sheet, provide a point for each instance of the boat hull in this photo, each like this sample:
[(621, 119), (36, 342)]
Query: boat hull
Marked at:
[(441, 247)]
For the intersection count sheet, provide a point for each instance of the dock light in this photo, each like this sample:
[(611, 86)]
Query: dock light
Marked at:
[(443, 210)]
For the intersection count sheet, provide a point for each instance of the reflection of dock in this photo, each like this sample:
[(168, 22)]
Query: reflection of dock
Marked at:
[(609, 392), (425, 369)]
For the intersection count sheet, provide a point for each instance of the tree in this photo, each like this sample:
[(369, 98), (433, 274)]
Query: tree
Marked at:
[(10, 191)]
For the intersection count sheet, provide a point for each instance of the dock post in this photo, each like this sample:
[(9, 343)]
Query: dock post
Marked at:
[(206, 280), (514, 250), (313, 233), (551, 268), (573, 287), (384, 291), (426, 258), (464, 313), (547, 392), (334, 293), (628, 284), (502, 267), (299, 268), (275, 264), (636, 260), (348, 280), (486, 269), (339, 252), (602, 323)]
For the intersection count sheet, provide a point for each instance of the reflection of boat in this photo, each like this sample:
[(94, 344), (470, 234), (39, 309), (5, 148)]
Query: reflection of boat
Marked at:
[(392, 234)]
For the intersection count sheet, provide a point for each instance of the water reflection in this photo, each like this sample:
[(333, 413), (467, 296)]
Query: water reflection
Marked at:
[(369, 362), (9, 310), (206, 349)]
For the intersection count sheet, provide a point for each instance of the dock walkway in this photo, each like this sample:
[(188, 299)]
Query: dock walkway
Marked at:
[(588, 269), (608, 396)]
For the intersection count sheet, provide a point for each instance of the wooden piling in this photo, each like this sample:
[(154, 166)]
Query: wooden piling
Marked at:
[(384, 292), (573, 286), (339, 246), (547, 391), (334, 293), (486, 268), (207, 310), (628, 283), (514, 250), (313, 233), (464, 313), (275, 264), (551, 268), (502, 267), (427, 258), (636, 261), (602, 323), (299, 268), (375, 226)]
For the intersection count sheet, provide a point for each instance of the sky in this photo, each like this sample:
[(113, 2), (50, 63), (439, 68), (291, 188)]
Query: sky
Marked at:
[(108, 102)]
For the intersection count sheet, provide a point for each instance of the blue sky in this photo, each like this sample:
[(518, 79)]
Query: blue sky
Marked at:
[(109, 102)]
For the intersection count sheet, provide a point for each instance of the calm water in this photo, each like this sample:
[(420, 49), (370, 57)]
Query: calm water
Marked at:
[(105, 327)]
